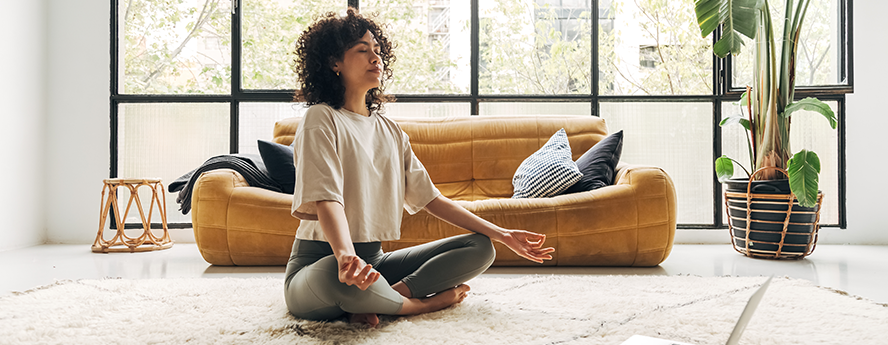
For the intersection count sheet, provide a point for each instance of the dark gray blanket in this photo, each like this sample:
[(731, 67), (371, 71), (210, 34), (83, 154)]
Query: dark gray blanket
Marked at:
[(250, 166)]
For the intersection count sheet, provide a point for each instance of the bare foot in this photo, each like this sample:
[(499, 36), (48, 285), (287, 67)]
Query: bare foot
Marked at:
[(456, 294), (368, 319), (441, 300)]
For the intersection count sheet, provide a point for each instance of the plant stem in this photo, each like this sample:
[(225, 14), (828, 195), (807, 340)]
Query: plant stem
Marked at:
[(752, 155)]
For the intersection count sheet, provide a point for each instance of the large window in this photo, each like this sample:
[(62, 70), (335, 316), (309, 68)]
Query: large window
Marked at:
[(192, 79)]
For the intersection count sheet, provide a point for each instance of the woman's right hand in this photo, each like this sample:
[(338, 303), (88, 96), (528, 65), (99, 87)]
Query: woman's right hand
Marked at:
[(353, 271)]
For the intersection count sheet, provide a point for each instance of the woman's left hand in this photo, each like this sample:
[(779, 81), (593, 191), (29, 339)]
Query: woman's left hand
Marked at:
[(528, 245)]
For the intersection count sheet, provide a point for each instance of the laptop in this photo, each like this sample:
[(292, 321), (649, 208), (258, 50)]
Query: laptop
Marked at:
[(735, 335)]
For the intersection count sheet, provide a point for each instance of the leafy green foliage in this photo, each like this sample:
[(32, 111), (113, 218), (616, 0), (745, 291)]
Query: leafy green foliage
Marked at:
[(672, 57), (812, 104), (738, 16), (804, 170), (161, 46), (773, 91), (424, 62), (735, 119), (270, 30), (543, 60), (184, 46), (816, 63), (724, 168)]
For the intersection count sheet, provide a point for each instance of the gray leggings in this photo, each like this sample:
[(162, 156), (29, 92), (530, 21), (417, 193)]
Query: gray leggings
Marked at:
[(313, 291)]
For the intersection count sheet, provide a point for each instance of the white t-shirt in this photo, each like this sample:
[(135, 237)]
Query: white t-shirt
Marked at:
[(364, 163)]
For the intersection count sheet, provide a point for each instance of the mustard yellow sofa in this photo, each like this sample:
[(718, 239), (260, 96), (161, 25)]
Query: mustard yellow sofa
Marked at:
[(471, 160)]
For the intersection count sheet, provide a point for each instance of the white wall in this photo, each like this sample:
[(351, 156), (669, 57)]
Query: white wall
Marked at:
[(867, 128), (77, 130), (22, 120)]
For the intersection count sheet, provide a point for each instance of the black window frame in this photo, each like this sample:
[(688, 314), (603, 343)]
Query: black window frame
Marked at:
[(721, 92)]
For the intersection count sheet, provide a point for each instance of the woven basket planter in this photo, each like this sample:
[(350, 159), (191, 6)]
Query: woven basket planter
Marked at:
[(771, 225)]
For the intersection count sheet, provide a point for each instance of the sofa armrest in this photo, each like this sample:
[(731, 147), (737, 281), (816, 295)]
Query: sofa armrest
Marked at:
[(210, 199), (656, 210)]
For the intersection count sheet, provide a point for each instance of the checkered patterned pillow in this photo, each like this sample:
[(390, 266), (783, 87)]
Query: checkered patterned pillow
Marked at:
[(548, 171)]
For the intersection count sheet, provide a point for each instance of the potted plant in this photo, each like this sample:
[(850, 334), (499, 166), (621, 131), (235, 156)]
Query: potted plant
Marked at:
[(778, 203)]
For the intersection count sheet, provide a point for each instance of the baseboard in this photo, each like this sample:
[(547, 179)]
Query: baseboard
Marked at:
[(177, 235), (22, 245), (702, 236), (182, 235), (721, 236)]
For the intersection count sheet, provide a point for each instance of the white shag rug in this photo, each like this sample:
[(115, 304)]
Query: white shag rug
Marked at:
[(527, 310)]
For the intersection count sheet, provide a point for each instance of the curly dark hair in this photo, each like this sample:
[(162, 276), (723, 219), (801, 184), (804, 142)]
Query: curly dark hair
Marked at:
[(325, 42)]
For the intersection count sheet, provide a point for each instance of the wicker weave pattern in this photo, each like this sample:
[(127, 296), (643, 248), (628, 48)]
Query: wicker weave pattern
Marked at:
[(757, 248), (121, 242)]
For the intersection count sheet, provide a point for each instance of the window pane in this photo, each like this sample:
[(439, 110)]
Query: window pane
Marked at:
[(538, 108), (427, 109), (432, 37), (809, 131), (652, 47), (175, 47), (676, 137), (257, 122), (167, 141), (531, 48), (817, 60), (270, 30)]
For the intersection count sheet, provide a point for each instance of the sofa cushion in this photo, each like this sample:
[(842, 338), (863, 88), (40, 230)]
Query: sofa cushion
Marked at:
[(278, 160), (548, 171), (598, 164)]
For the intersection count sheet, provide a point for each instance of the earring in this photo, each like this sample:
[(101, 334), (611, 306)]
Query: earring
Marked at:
[(337, 73)]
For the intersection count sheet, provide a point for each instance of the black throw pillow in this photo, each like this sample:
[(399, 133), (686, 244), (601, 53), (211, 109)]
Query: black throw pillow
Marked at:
[(278, 160), (598, 164)]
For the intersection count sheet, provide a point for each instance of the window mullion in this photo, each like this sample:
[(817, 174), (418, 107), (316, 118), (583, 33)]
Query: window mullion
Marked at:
[(475, 38), (236, 72), (720, 78)]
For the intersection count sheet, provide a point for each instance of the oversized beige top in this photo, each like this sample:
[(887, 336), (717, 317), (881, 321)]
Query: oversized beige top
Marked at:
[(364, 163)]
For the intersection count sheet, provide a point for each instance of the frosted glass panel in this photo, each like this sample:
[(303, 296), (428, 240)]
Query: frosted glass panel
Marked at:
[(257, 119), (167, 141), (676, 137), (538, 108), (809, 130), (257, 122), (427, 109)]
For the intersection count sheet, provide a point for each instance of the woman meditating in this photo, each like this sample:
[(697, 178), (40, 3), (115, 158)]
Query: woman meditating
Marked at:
[(355, 172)]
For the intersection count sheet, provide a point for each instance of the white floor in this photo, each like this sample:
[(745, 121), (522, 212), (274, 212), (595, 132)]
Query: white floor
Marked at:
[(858, 270)]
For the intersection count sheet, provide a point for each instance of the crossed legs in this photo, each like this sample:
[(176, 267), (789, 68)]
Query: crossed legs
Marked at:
[(411, 275)]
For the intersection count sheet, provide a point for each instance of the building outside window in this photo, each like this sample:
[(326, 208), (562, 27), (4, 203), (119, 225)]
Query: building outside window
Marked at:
[(198, 78)]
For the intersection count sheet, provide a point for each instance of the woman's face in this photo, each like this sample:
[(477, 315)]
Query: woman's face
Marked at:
[(361, 67)]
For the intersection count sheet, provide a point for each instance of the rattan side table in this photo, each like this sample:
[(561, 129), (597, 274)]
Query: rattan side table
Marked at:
[(120, 242)]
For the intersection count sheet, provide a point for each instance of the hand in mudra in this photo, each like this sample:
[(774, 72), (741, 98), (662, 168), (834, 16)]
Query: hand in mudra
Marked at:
[(528, 245), (353, 271)]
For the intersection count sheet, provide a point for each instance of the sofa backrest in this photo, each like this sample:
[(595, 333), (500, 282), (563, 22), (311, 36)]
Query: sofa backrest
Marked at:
[(474, 157)]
